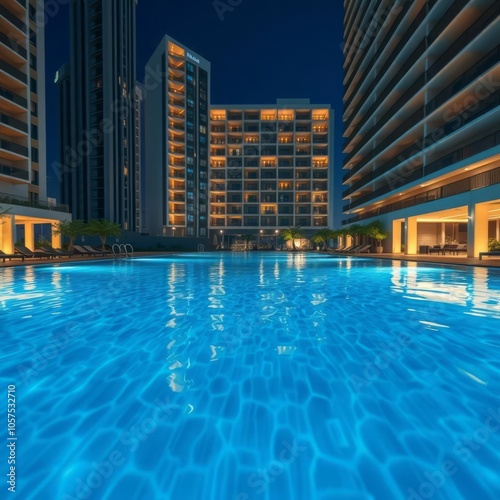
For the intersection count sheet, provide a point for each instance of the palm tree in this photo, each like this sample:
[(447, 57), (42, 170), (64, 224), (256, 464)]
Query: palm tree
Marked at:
[(3, 213), (103, 228), (291, 234), (321, 237), (247, 238), (72, 229)]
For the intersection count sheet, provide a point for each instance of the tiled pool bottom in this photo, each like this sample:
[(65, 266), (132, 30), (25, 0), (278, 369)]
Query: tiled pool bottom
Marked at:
[(252, 376)]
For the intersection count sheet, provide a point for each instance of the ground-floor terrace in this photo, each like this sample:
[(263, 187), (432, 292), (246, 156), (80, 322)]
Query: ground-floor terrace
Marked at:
[(467, 221), (27, 225)]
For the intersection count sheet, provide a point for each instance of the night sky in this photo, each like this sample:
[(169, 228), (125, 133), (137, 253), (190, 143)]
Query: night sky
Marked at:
[(260, 50)]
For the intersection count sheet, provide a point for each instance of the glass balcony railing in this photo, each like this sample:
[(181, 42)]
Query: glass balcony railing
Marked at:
[(17, 99), (12, 18), (14, 172), (13, 71), (13, 45), (453, 125), (14, 148), (13, 122), (448, 159)]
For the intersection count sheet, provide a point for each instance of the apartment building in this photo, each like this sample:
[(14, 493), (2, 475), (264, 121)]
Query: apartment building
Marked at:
[(422, 121), (23, 193), (176, 140), (269, 167)]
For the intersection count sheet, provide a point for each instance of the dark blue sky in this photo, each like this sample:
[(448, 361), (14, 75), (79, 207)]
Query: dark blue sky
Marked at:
[(261, 50)]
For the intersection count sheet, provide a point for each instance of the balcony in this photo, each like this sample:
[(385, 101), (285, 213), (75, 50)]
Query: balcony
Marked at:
[(178, 151), (13, 72), (12, 147), (177, 126), (14, 172), (13, 45), (13, 123), (16, 99), (13, 19)]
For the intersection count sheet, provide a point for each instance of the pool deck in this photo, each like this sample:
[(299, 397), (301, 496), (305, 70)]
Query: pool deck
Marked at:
[(434, 259), (75, 258)]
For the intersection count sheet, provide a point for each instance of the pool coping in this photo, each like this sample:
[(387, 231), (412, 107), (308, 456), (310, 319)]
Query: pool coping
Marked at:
[(428, 259)]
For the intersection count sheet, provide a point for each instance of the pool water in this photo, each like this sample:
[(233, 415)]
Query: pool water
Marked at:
[(253, 376)]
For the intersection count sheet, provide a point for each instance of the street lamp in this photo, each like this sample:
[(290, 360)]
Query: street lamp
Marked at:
[(173, 232), (276, 239), (260, 236), (222, 239)]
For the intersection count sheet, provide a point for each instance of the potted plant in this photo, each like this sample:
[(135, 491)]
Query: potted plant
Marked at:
[(380, 236), (320, 239), (376, 231)]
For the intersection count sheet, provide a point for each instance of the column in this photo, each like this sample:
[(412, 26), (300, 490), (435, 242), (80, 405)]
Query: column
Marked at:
[(7, 233), (396, 236), (411, 235), (29, 235), (477, 229)]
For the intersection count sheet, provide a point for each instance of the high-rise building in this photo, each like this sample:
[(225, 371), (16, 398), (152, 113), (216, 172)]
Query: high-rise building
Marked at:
[(22, 101), (269, 167), (422, 121), (176, 118), (23, 194), (99, 170)]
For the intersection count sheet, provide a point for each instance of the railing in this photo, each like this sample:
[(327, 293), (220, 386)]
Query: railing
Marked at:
[(464, 39), (122, 250), (12, 18), (381, 46), (21, 101), (484, 179), (13, 71), (14, 172), (201, 248), (15, 148), (390, 58), (13, 122), (459, 154), (13, 45), (19, 200), (483, 107)]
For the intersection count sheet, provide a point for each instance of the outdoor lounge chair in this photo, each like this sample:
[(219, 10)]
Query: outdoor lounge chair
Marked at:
[(354, 250), (347, 249), (54, 252), (80, 250), (21, 249), (10, 256), (96, 251), (493, 253), (363, 249), (89, 251), (338, 249)]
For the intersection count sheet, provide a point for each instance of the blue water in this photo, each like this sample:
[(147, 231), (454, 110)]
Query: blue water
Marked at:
[(252, 376)]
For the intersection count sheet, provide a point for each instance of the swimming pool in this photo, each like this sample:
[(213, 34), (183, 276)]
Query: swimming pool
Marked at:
[(253, 376)]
